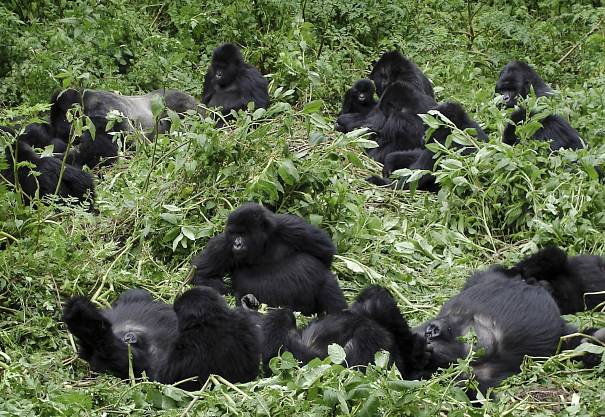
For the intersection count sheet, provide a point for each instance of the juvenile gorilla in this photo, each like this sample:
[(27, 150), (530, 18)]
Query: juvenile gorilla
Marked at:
[(199, 336), (393, 67), (74, 183), (359, 98), (373, 323), (40, 135), (514, 83), (279, 258), (231, 84), (510, 318), (568, 279), (422, 158)]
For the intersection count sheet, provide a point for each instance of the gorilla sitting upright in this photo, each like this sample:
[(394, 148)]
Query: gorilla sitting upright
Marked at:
[(200, 336), (279, 258), (231, 84), (393, 67), (359, 98)]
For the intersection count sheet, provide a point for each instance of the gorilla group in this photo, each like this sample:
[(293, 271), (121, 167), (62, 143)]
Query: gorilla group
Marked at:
[(511, 317), (279, 258)]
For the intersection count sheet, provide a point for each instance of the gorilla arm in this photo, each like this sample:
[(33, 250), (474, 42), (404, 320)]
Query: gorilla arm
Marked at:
[(213, 263)]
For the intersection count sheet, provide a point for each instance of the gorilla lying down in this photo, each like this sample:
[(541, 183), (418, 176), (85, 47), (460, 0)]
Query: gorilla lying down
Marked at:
[(510, 318), (202, 335), (279, 258)]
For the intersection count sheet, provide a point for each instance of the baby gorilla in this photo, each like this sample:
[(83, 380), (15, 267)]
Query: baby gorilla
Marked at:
[(199, 337), (514, 83), (75, 184), (359, 98), (373, 323), (231, 84), (577, 283), (279, 258)]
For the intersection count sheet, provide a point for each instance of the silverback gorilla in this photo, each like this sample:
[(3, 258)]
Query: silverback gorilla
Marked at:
[(197, 337), (510, 318), (515, 82), (279, 258), (231, 84)]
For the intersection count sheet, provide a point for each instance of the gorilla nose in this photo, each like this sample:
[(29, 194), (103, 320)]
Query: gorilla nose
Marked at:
[(362, 97), (129, 338), (432, 331), (219, 75)]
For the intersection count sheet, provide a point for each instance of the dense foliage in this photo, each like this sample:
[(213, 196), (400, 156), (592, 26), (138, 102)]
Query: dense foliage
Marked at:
[(155, 212)]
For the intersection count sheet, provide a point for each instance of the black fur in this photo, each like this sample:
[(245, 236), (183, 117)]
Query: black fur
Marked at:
[(74, 183), (100, 150), (280, 259), (373, 323), (568, 279), (422, 158), (359, 98), (40, 135), (554, 129), (212, 339), (515, 81), (393, 67), (510, 318), (231, 84)]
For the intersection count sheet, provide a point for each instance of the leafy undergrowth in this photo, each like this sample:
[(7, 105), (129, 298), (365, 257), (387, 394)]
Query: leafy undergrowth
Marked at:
[(495, 205)]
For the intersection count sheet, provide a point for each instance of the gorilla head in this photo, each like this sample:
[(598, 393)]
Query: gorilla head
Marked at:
[(226, 63), (247, 231), (516, 80)]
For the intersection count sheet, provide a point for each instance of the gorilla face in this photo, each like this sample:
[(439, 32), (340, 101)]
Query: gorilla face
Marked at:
[(248, 229), (363, 91), (226, 63), (512, 86)]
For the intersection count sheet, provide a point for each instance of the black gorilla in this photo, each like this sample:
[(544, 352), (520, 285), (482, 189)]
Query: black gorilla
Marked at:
[(554, 129), (96, 104), (393, 67), (570, 280), (359, 98), (422, 158), (279, 258), (373, 323), (510, 318), (514, 83), (74, 183), (212, 339), (199, 336), (100, 150), (231, 84)]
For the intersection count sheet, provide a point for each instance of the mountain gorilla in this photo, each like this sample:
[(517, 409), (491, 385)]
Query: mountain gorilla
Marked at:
[(102, 149), (576, 283), (75, 184), (278, 258), (96, 104), (515, 82), (231, 84), (359, 98), (40, 135), (510, 318), (200, 336), (422, 158), (393, 67), (372, 323)]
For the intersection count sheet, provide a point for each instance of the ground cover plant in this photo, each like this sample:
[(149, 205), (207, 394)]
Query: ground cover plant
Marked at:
[(161, 201)]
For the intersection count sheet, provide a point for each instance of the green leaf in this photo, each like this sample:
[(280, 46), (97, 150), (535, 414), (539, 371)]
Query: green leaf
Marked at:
[(336, 353)]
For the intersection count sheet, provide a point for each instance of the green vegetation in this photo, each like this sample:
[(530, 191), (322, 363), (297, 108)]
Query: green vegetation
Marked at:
[(495, 205)]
